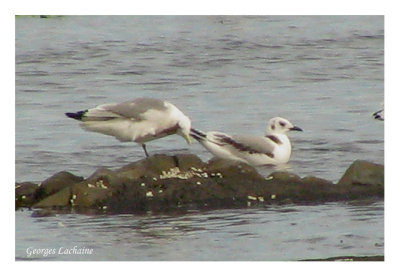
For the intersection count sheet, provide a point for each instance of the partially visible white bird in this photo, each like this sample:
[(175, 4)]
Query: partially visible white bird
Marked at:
[(272, 149), (140, 120), (380, 115)]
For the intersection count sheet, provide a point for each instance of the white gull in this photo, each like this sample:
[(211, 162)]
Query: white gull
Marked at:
[(140, 120), (272, 149)]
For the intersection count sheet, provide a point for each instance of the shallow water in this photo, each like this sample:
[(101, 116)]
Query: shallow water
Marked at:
[(264, 234), (325, 74)]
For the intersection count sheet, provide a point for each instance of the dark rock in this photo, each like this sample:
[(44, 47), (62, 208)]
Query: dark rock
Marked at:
[(25, 194), (60, 199), (364, 173), (232, 169), (285, 177), (90, 195), (43, 213), (312, 180), (107, 177), (164, 183), (152, 166), (286, 188), (217, 184), (84, 195), (56, 183), (102, 172), (188, 161)]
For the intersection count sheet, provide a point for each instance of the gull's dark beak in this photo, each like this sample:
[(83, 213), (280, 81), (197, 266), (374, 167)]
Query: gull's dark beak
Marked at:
[(295, 128)]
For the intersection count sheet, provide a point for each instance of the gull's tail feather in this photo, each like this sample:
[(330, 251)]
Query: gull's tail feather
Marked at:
[(78, 115), (197, 134)]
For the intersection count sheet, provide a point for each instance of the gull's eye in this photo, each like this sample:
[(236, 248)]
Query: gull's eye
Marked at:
[(283, 124)]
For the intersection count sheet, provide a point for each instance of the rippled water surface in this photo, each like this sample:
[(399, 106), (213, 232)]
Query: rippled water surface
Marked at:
[(273, 233), (325, 74)]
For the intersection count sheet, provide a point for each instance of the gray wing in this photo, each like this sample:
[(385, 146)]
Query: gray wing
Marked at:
[(134, 109), (250, 144)]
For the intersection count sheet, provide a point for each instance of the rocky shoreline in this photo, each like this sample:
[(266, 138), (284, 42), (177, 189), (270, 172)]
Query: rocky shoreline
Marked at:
[(180, 183)]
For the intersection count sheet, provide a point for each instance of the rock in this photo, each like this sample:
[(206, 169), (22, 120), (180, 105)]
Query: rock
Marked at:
[(83, 195), (102, 172), (216, 184), (90, 195), (60, 199), (312, 180), (152, 166), (25, 194), (56, 183), (364, 173), (231, 169), (188, 161), (107, 177), (286, 188), (43, 213), (164, 183), (133, 196), (317, 190), (284, 177)]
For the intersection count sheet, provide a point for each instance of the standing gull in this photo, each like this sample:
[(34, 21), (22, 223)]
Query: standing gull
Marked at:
[(140, 120), (272, 149)]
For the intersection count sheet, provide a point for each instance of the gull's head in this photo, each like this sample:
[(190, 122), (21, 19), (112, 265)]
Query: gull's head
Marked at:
[(184, 126), (184, 123), (279, 125)]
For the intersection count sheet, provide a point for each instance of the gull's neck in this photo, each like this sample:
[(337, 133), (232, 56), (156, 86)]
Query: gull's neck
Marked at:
[(283, 147), (279, 138)]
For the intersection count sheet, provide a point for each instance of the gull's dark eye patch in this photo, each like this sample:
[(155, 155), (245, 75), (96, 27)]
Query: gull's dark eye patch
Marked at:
[(283, 124)]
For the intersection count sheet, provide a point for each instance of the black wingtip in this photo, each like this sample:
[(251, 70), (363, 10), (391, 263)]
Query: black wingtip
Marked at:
[(377, 115), (77, 115), (197, 135), (197, 132)]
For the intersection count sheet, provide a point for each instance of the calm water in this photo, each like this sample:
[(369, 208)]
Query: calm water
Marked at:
[(273, 233), (325, 74)]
